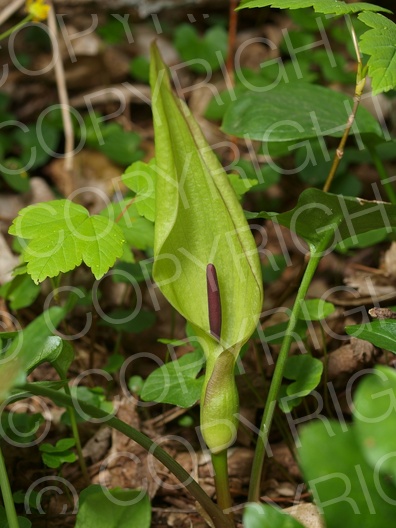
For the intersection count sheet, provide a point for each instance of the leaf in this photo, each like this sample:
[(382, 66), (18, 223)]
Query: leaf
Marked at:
[(327, 7), (201, 54), (57, 352), (379, 43), (20, 292), (266, 516), (138, 232), (375, 419), (344, 486), (140, 177), (23, 522), (382, 333), (56, 455), (307, 372), (27, 345), (315, 310), (176, 382), (101, 507), (293, 112), (199, 221), (318, 215), (62, 235)]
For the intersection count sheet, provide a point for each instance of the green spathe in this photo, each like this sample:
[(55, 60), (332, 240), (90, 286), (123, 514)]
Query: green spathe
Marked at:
[(200, 221)]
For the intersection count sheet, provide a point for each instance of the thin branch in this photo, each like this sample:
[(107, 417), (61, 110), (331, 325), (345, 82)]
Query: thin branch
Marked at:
[(8, 11), (62, 92)]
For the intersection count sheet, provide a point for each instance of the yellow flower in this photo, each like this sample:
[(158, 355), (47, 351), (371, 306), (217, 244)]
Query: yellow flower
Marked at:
[(38, 9)]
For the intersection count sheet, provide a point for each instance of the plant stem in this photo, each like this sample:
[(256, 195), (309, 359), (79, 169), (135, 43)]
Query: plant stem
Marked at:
[(76, 436), (6, 492), (16, 27), (254, 490), (219, 519), (220, 466), (382, 174)]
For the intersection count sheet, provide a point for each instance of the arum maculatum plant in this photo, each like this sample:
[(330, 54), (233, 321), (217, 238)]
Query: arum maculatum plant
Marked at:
[(205, 260)]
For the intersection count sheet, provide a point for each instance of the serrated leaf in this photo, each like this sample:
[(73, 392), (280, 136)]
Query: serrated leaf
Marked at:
[(381, 333), (61, 235), (176, 382), (293, 112), (326, 7), (319, 214), (380, 44)]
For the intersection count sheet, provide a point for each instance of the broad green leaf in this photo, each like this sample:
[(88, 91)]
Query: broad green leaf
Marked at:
[(176, 382), (27, 344), (140, 177), (61, 235), (266, 516), (315, 310), (199, 221), (344, 486), (379, 43), (241, 185), (57, 352), (319, 214), (374, 413), (293, 112), (20, 427), (101, 507), (381, 332), (328, 7)]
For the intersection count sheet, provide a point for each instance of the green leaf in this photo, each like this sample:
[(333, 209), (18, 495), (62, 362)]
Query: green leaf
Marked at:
[(62, 235), (379, 43), (319, 214), (315, 310), (241, 185), (55, 455), (101, 507), (307, 372), (57, 352), (21, 291), (266, 516), (375, 419), (176, 382), (138, 232), (344, 486), (139, 68), (140, 177), (295, 111), (195, 49), (20, 427), (328, 7), (27, 344), (381, 332)]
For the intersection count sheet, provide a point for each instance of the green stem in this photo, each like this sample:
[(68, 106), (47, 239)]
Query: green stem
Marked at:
[(220, 466), (382, 174), (16, 27), (6, 492), (254, 490), (76, 436), (63, 400)]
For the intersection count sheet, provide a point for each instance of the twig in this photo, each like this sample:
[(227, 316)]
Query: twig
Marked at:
[(10, 10), (63, 95)]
